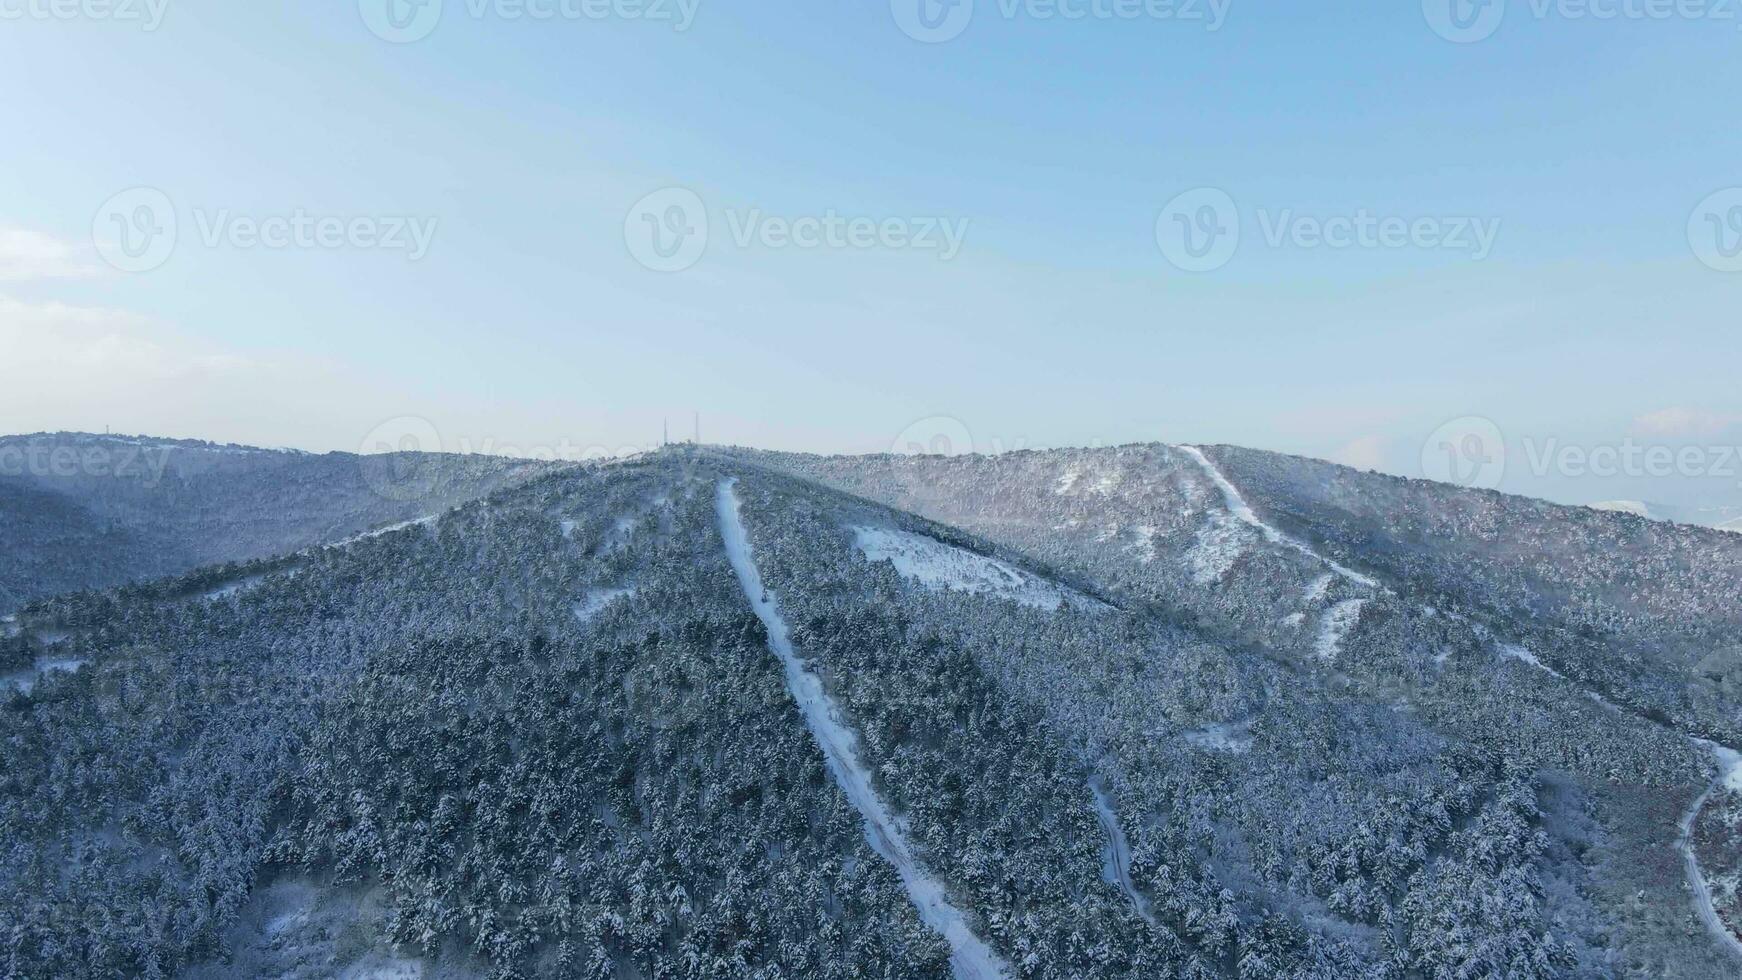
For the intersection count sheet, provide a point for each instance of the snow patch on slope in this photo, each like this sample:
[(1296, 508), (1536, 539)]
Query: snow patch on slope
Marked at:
[(971, 957), (937, 565), (1237, 506), (25, 681), (389, 529), (1234, 737), (1220, 543), (1146, 542), (597, 599), (1515, 652), (1336, 626)]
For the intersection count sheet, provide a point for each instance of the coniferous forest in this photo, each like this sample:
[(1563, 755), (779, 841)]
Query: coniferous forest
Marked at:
[(1140, 712)]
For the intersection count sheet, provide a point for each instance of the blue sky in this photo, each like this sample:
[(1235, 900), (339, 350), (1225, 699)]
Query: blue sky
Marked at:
[(1587, 145)]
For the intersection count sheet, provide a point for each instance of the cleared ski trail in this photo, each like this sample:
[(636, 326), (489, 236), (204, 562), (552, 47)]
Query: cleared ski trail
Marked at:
[(971, 958), (1119, 852), (1243, 512)]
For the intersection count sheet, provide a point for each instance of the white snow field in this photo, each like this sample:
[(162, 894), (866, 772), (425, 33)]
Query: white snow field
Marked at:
[(937, 565), (970, 956), (1236, 504)]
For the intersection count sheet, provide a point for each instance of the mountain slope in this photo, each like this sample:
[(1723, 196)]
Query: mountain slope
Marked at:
[(82, 511), (1129, 713)]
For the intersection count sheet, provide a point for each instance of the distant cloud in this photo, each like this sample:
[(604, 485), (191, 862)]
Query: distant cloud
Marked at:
[(98, 344), (86, 367), (1365, 453), (26, 256), (1683, 423), (81, 367)]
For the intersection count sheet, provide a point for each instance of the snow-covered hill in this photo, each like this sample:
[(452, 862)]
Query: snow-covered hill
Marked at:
[(1144, 712), (85, 511)]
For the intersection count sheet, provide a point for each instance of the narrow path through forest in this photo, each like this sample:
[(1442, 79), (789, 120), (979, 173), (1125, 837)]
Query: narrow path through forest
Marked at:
[(970, 956)]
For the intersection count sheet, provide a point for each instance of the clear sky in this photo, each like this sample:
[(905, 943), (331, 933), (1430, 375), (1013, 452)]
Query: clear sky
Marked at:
[(1549, 175)]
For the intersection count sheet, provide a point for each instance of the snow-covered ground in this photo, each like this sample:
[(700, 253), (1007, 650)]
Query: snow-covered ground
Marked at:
[(26, 680), (1515, 652), (971, 957), (937, 565), (1219, 544), (1116, 862), (389, 529), (1234, 737), (1336, 626), (597, 599), (1237, 506)]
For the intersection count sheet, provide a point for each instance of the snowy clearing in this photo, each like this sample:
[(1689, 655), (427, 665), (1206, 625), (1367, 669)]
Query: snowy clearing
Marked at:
[(26, 680), (1116, 865), (1336, 626), (970, 956), (937, 565), (1220, 543), (1237, 506), (1234, 737), (597, 599)]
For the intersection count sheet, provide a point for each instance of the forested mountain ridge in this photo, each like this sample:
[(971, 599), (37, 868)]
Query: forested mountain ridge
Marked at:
[(1129, 713), (81, 511)]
